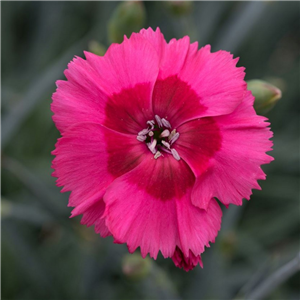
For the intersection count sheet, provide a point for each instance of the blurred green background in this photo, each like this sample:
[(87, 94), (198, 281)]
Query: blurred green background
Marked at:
[(46, 255)]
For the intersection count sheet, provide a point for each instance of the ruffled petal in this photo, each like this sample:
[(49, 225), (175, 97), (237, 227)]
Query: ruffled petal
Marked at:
[(88, 158), (216, 80), (171, 96), (193, 84), (114, 90), (93, 216), (127, 73), (235, 168), (150, 208), (124, 65), (198, 142), (129, 110), (171, 55), (186, 262), (156, 39), (80, 99), (174, 100)]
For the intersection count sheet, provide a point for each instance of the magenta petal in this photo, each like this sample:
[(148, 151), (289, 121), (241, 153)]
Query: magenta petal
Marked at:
[(186, 262), (93, 86), (124, 65), (93, 216), (88, 158), (156, 39), (171, 55), (199, 141), (174, 100), (79, 100), (215, 78), (141, 216), (129, 110), (235, 168)]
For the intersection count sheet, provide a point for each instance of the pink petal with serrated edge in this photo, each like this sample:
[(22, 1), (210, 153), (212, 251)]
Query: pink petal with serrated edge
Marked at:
[(235, 168), (159, 219)]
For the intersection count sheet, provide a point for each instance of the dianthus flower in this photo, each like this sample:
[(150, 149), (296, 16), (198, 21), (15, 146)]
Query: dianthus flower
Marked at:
[(152, 133)]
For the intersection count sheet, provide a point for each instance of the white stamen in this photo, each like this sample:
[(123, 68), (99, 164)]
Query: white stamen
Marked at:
[(166, 123), (151, 133), (166, 150), (175, 154), (141, 138), (174, 138), (171, 134), (143, 132), (158, 120), (167, 145), (151, 123), (165, 133), (152, 146), (157, 155)]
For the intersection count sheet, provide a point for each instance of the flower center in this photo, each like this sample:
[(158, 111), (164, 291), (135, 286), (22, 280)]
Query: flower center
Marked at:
[(159, 137)]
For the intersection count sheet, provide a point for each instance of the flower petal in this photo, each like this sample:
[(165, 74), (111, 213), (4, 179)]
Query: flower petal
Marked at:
[(174, 100), (171, 55), (93, 216), (156, 39), (100, 86), (195, 84), (88, 158), (171, 96), (150, 208), (186, 262), (129, 110), (80, 99), (127, 73), (124, 65), (235, 168), (199, 141), (219, 84)]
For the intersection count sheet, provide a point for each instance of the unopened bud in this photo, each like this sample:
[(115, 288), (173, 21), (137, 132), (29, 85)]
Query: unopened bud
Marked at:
[(228, 244), (96, 48), (179, 8), (128, 17), (6, 208), (266, 95), (135, 267)]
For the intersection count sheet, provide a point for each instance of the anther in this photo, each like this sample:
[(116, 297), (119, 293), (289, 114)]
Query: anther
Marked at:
[(171, 134), (166, 123), (174, 138), (175, 154), (158, 120), (166, 144), (143, 132), (165, 133), (157, 155), (151, 133), (141, 138), (152, 146), (151, 123)]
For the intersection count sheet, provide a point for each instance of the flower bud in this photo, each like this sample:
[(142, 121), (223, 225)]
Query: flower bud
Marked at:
[(128, 17), (6, 208), (135, 267), (96, 48), (266, 95), (228, 244), (179, 8)]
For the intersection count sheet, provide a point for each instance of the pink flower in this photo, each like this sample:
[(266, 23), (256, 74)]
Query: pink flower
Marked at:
[(152, 133)]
